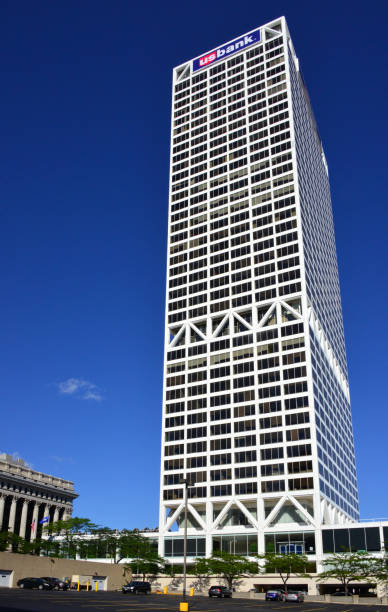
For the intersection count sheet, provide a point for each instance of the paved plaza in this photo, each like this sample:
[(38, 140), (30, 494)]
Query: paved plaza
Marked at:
[(35, 601)]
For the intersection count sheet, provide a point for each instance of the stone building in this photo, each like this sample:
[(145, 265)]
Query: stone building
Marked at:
[(28, 496)]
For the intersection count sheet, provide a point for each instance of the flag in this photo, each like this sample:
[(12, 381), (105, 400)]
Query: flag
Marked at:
[(33, 525), (44, 520)]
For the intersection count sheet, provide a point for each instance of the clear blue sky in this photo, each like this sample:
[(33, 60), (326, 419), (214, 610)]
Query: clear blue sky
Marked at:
[(85, 113)]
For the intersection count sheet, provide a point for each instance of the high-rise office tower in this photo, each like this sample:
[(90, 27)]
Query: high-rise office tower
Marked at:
[(256, 409)]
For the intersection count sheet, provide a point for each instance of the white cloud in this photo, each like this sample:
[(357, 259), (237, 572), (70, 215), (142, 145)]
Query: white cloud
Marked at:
[(59, 459), (92, 394), (81, 389)]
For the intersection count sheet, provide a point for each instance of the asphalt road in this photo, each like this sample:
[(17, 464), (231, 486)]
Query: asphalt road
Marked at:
[(12, 600)]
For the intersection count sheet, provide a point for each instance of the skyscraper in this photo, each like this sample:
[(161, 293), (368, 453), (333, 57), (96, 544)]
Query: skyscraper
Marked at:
[(256, 409)]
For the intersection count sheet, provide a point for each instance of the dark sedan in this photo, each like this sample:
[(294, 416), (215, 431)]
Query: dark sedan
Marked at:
[(34, 583), (58, 585), (275, 595), (219, 591)]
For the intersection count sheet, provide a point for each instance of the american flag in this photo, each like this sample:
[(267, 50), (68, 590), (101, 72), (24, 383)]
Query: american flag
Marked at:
[(33, 524)]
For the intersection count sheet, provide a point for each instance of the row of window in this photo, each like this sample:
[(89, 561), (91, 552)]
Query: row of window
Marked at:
[(259, 209), (219, 264), (239, 382), (242, 396), (246, 352), (228, 85), (333, 541), (227, 370), (267, 407), (298, 418), (274, 469), (243, 488), (245, 456)]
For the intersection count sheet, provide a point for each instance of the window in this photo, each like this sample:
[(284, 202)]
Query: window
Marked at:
[(173, 547), (272, 486), (298, 434), (246, 488), (272, 469), (298, 484), (245, 441), (245, 456), (221, 490), (271, 437), (222, 459), (225, 474)]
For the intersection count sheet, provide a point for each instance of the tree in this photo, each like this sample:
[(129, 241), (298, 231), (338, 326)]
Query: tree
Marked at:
[(124, 544), (144, 566), (226, 565), (285, 565), (70, 531), (379, 570), (347, 568), (16, 543), (144, 556)]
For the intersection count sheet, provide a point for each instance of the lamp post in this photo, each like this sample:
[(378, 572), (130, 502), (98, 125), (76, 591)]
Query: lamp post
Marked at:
[(187, 483)]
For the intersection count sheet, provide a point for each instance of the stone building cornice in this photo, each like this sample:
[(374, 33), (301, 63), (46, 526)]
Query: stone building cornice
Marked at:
[(26, 473), (40, 487)]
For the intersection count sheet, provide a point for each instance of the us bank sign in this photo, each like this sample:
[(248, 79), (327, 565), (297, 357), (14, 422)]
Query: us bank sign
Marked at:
[(226, 50)]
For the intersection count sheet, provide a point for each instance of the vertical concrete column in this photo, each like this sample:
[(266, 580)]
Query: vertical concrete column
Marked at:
[(23, 520), (2, 504), (34, 524), (56, 514), (46, 512), (12, 515), (209, 523), (318, 552)]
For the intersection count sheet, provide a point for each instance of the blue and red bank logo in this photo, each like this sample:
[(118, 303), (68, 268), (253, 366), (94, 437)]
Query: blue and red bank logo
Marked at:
[(229, 49)]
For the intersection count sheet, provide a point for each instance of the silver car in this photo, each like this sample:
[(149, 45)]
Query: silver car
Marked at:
[(295, 596)]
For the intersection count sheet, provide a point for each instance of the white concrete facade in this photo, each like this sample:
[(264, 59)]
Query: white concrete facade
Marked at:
[(256, 406)]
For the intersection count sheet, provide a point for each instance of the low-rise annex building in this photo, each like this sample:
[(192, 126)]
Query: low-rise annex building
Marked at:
[(318, 542), (27, 497)]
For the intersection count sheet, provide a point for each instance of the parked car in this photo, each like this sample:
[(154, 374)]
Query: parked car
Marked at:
[(275, 595), (219, 591), (340, 594), (56, 583), (34, 583), (137, 586), (295, 596)]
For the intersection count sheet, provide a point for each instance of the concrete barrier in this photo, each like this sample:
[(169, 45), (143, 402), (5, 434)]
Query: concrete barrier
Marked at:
[(31, 565)]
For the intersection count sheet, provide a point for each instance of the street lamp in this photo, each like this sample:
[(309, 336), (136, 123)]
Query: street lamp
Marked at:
[(187, 483)]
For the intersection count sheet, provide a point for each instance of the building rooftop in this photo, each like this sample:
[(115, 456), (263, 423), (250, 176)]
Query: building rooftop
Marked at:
[(17, 468)]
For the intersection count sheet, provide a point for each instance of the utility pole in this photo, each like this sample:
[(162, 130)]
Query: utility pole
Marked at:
[(184, 606)]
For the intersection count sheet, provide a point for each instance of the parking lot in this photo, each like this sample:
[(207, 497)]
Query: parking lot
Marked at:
[(49, 601)]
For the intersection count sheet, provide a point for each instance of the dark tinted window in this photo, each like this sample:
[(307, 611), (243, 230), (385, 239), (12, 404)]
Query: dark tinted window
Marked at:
[(191, 547), (309, 543), (327, 541), (372, 538), (357, 539), (385, 536), (341, 537), (201, 546), (178, 547)]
